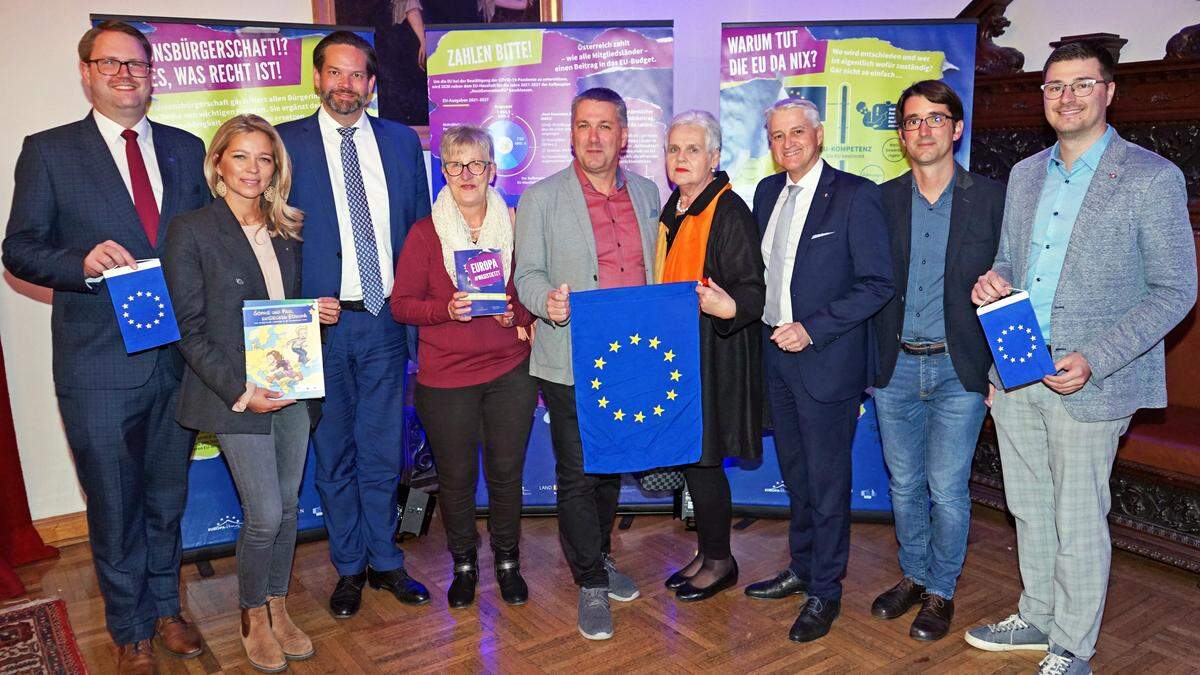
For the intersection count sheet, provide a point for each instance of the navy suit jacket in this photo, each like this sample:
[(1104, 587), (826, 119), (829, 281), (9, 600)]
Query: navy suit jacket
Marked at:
[(842, 276), (69, 196), (312, 192)]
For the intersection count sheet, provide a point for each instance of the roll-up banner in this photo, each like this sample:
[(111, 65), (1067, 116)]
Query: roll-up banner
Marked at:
[(205, 72), (517, 81), (853, 72)]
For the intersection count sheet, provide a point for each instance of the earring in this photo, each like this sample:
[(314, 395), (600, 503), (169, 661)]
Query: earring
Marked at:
[(221, 189), (269, 193)]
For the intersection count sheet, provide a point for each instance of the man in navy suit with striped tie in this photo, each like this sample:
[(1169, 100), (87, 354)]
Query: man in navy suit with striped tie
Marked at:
[(93, 195), (361, 184)]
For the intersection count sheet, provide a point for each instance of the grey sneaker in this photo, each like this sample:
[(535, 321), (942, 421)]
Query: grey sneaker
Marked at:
[(1059, 661), (595, 616), (1009, 635), (620, 586)]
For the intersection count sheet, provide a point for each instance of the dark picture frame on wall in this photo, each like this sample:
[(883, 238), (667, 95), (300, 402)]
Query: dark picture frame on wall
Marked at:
[(400, 43)]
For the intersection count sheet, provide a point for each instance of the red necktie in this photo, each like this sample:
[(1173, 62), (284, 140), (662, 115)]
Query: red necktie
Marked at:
[(139, 179)]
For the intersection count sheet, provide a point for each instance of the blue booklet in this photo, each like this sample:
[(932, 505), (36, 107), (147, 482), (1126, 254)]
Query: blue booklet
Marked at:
[(142, 305), (1016, 340), (481, 275), (283, 347)]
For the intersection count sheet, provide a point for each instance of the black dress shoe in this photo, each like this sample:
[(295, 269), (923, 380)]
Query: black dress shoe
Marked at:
[(466, 575), (785, 584), (815, 619), (347, 595), (933, 621), (897, 600), (689, 593), (513, 589), (406, 589)]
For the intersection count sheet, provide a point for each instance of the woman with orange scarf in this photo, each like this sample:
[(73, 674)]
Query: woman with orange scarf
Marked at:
[(708, 235)]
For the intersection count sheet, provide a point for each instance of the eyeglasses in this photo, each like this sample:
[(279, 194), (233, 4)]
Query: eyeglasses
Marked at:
[(113, 67), (932, 121), (476, 167), (1080, 88)]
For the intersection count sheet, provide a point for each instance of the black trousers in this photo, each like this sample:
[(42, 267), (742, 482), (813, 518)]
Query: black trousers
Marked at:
[(587, 502), (709, 488), (455, 419)]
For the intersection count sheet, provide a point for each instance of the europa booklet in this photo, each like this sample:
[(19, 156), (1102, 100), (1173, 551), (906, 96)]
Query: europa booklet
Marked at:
[(283, 347), (481, 275), (1018, 349)]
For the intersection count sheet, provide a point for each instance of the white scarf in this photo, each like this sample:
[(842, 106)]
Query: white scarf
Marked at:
[(455, 234)]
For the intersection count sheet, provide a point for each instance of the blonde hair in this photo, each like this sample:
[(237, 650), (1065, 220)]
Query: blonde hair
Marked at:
[(283, 220)]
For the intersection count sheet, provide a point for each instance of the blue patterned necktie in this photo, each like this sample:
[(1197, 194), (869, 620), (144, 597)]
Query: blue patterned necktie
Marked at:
[(365, 250), (774, 308)]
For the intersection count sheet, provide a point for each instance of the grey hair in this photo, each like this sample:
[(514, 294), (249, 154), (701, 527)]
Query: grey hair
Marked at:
[(814, 113), (467, 135), (603, 95), (704, 120)]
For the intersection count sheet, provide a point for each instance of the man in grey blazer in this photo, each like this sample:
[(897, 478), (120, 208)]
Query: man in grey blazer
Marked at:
[(1097, 229), (591, 225)]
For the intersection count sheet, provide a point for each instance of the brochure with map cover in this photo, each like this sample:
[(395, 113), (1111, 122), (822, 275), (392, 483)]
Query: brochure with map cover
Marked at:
[(283, 347)]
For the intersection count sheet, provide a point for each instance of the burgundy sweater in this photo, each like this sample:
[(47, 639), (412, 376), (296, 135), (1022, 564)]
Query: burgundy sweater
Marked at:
[(451, 353)]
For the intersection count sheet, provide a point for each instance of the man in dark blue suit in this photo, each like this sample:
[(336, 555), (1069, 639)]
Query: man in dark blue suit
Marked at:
[(361, 183), (829, 269), (90, 196)]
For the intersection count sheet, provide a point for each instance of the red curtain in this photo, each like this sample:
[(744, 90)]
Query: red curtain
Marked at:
[(20, 543)]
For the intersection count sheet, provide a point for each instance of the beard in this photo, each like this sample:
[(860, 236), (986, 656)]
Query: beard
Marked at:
[(343, 107)]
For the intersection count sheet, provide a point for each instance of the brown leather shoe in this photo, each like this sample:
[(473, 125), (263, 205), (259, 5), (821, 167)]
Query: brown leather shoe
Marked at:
[(136, 659), (933, 621), (178, 636), (295, 644), (262, 649), (897, 600)]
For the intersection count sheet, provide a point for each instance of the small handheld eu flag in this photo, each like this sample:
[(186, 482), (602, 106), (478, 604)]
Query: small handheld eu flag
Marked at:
[(142, 305), (1012, 331), (636, 355)]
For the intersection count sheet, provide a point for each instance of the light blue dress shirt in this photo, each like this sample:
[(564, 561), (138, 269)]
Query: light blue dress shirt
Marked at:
[(1058, 206), (924, 305)]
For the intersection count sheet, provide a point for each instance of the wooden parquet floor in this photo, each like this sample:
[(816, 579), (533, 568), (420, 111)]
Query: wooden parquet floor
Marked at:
[(1151, 624)]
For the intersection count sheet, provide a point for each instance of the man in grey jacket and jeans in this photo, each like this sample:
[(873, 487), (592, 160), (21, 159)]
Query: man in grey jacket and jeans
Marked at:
[(591, 225), (1097, 229)]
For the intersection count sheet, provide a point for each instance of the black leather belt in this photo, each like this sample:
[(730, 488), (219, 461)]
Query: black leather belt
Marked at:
[(923, 348), (352, 305)]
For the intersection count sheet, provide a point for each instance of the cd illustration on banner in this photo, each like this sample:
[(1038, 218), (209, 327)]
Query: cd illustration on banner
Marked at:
[(513, 140)]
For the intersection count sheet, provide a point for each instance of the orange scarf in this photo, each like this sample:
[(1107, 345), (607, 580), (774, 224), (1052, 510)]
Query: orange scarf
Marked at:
[(685, 261)]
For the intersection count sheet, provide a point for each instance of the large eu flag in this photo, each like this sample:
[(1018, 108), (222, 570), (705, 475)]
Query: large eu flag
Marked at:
[(636, 354), (142, 305)]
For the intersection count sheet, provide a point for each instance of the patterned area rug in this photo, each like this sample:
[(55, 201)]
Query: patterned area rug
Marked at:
[(36, 637)]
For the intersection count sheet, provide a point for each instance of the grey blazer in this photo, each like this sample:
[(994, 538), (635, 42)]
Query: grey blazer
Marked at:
[(1128, 278), (555, 245)]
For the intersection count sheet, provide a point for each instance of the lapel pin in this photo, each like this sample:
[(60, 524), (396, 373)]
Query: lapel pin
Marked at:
[(826, 195), (1112, 175)]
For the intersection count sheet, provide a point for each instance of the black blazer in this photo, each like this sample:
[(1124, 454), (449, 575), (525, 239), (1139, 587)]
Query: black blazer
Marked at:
[(976, 213), (69, 196), (210, 269), (841, 277)]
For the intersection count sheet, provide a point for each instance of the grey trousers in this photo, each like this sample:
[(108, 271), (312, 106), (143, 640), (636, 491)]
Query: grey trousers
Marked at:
[(267, 469), (1056, 472)]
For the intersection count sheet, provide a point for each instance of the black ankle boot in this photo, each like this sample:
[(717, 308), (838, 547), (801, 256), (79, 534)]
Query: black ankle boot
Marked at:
[(466, 574), (513, 589)]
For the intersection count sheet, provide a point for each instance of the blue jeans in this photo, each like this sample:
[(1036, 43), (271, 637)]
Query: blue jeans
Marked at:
[(929, 425)]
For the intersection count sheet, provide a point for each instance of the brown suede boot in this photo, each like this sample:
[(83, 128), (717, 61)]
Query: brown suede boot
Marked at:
[(296, 645), (262, 649)]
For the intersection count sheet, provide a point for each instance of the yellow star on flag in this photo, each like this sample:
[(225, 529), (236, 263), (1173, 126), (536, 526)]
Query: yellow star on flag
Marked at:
[(600, 363), (654, 342), (596, 383), (635, 339), (603, 402), (614, 346), (658, 410), (671, 395), (669, 356), (639, 417), (619, 415), (675, 375)]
